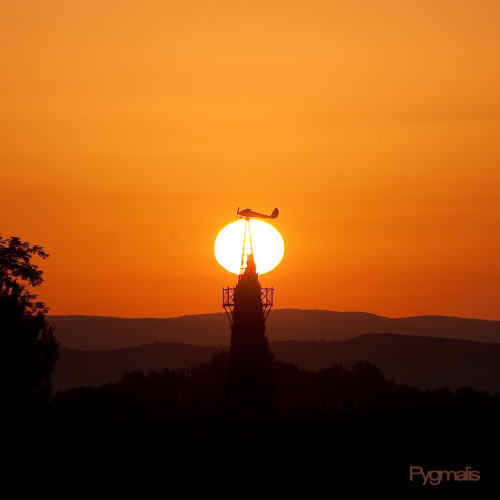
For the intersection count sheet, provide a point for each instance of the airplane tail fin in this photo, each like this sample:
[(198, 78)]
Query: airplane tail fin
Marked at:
[(275, 213)]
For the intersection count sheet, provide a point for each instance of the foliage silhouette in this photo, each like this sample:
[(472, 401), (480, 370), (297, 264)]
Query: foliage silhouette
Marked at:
[(29, 346), (351, 415), (335, 423)]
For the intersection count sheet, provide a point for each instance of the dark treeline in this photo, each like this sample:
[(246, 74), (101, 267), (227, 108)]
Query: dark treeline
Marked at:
[(331, 389), (340, 424)]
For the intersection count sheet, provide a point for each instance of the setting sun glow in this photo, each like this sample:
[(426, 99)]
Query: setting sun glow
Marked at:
[(130, 131), (267, 243)]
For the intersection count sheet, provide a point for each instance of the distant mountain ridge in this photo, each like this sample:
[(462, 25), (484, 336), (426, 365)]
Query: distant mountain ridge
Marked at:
[(424, 362), (98, 332)]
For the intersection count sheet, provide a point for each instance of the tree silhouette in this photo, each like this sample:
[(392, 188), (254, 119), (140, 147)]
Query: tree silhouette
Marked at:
[(30, 349), (250, 383)]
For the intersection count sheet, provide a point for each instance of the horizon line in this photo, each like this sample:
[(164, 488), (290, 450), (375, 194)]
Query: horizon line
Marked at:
[(276, 309)]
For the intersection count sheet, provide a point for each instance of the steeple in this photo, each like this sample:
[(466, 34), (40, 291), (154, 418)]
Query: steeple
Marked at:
[(250, 383)]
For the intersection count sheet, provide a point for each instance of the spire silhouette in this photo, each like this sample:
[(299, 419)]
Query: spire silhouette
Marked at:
[(250, 382)]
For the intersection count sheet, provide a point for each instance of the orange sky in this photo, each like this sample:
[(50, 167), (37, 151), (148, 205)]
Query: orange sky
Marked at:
[(131, 131)]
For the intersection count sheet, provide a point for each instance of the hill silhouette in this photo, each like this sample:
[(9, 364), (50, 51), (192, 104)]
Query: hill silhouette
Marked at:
[(423, 362), (97, 332), (77, 367)]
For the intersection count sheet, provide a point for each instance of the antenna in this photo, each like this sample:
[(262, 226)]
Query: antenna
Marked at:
[(247, 247)]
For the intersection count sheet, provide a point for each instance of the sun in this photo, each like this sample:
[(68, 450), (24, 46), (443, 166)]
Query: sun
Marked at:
[(267, 243)]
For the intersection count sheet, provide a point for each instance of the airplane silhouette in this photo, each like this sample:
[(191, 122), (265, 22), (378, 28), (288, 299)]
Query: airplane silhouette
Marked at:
[(248, 213)]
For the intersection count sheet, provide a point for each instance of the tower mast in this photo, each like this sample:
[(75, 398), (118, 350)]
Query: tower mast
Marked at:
[(267, 294)]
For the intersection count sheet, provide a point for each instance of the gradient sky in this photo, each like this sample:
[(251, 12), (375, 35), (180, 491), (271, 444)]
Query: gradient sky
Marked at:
[(131, 131)]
